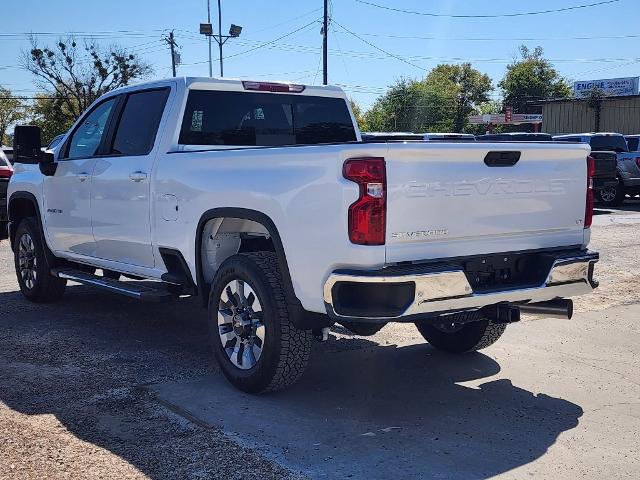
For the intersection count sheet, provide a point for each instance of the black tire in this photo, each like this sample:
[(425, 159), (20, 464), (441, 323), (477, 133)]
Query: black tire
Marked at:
[(462, 338), (111, 274), (611, 196), (285, 349), (41, 287), (362, 328)]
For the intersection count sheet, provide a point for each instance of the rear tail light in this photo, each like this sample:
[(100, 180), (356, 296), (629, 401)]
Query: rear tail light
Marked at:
[(588, 209), (368, 214), (5, 172), (273, 87), (638, 161)]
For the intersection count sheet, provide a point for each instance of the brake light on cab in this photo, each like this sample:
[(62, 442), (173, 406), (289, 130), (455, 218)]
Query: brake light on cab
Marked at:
[(273, 87), (588, 209), (367, 216)]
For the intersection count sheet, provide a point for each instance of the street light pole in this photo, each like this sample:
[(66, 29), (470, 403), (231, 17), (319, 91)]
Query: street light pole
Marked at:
[(209, 21), (207, 29), (324, 44), (220, 37)]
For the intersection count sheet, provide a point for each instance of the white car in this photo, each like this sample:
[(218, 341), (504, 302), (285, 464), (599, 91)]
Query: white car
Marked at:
[(260, 198)]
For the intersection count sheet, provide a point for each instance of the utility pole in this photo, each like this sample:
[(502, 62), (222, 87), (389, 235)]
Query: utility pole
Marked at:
[(209, 22), (220, 37), (174, 55), (325, 28)]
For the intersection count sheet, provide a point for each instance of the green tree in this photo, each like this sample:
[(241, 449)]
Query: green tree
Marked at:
[(12, 109), (49, 112), (491, 106), (412, 106), (80, 74), (465, 86), (529, 79), (594, 99), (357, 112)]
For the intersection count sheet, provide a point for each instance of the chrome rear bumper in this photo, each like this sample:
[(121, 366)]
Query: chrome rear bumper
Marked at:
[(449, 290)]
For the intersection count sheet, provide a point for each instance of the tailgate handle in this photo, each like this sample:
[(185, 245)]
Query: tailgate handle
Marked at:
[(501, 159)]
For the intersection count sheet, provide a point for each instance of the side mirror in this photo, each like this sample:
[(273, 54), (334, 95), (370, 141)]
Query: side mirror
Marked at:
[(26, 144)]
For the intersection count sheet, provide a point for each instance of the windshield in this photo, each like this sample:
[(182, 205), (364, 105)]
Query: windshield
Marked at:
[(608, 143), (263, 119), (55, 142), (632, 142)]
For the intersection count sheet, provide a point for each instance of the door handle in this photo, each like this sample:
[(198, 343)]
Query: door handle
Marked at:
[(138, 176), (82, 176)]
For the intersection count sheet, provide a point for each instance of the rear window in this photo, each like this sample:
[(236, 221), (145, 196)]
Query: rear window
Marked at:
[(632, 142), (264, 119), (614, 143)]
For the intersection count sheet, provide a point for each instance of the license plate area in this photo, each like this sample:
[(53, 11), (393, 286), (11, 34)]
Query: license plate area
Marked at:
[(503, 271)]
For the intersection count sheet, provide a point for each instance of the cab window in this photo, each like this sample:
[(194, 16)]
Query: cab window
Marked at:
[(85, 140)]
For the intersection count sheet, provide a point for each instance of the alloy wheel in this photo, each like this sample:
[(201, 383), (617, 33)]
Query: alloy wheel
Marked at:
[(27, 260), (240, 324), (608, 194)]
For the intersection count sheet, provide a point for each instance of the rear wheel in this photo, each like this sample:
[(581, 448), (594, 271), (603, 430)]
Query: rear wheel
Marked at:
[(612, 196), (461, 337), (256, 344), (32, 268)]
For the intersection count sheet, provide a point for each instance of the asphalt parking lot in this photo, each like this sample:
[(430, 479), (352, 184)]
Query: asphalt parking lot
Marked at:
[(99, 386)]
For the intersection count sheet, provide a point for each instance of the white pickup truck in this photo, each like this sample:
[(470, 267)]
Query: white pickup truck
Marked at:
[(260, 198)]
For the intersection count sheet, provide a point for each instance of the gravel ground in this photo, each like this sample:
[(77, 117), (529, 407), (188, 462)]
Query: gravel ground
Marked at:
[(74, 401)]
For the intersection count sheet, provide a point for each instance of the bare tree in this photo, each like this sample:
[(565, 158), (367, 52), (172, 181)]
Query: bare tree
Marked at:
[(78, 74)]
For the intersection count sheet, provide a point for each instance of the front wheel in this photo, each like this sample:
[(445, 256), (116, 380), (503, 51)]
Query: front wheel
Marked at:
[(461, 337), (612, 196), (32, 268), (254, 341)]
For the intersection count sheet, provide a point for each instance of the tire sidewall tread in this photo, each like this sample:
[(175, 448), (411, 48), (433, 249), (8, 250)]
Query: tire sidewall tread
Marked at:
[(47, 287), (286, 349), (473, 336)]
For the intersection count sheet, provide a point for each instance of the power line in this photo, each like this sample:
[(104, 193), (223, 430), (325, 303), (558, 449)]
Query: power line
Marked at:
[(108, 33), (285, 22), (266, 44), (380, 49), (500, 15), (501, 39)]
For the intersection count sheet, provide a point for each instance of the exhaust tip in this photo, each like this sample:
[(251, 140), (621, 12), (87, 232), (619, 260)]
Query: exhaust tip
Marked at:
[(559, 308)]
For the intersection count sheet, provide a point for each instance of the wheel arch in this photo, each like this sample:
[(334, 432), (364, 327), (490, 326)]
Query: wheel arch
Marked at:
[(242, 214), (22, 205), (301, 318)]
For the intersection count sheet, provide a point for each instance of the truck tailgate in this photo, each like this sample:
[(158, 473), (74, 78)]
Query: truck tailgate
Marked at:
[(444, 200)]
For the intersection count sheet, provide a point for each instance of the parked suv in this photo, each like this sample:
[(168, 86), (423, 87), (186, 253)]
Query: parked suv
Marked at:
[(607, 149), (5, 174), (629, 166)]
